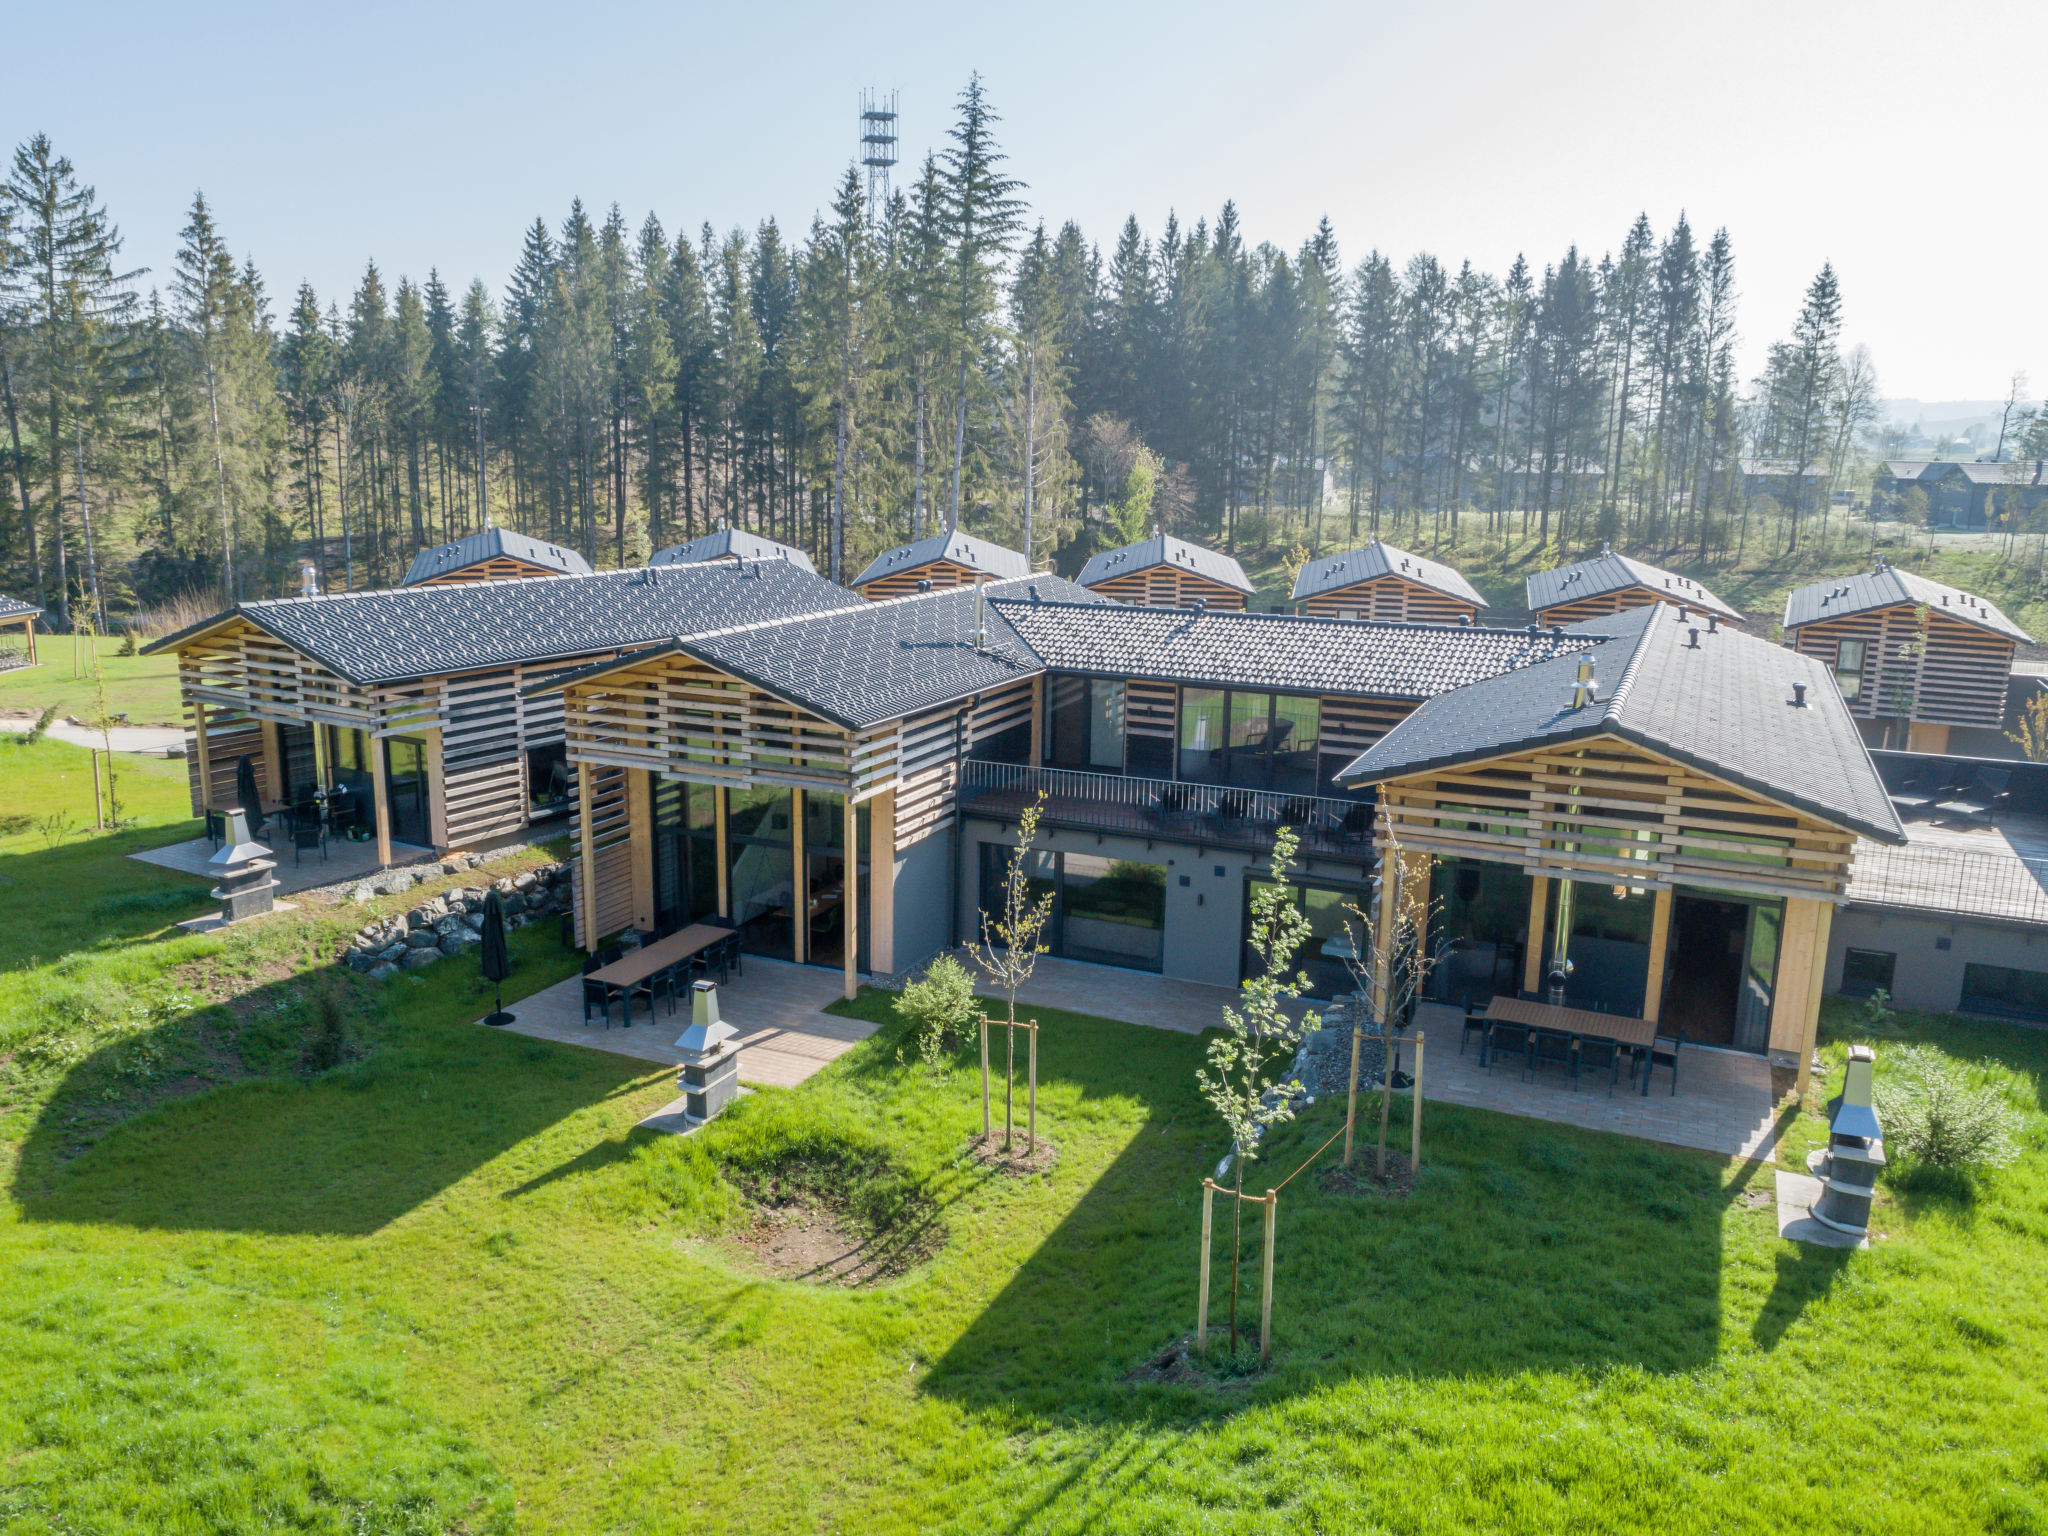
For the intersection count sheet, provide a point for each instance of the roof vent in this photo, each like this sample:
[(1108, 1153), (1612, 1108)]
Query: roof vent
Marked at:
[(1713, 623), (924, 583), (1604, 549), (1692, 639), (1557, 629), (1944, 599), (1035, 599), (1684, 613), (1464, 621), (1583, 687), (1201, 605), (1532, 629), (1799, 695)]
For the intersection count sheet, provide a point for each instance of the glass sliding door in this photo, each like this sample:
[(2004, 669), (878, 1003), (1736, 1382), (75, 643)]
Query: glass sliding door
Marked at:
[(1334, 929), (405, 779), (1201, 736), (685, 853), (1114, 911), (349, 760), (1085, 724), (758, 853), (825, 853)]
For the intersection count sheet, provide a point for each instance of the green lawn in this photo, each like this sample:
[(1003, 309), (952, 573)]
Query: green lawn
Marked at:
[(145, 688), (447, 1287)]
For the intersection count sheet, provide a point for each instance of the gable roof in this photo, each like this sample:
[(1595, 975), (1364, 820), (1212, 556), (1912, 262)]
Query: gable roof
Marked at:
[(1912, 469), (1375, 559), (1165, 549), (861, 665), (1273, 651), (1609, 572), (1887, 586), (493, 544), (2026, 472), (413, 632), (1723, 708), (732, 544), (15, 608), (978, 555)]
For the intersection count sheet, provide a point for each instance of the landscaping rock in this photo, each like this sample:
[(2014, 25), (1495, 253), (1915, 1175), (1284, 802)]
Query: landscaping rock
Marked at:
[(503, 886), (523, 881), (420, 959), (393, 952), (447, 926), (363, 892), (421, 938), (456, 943), (382, 972)]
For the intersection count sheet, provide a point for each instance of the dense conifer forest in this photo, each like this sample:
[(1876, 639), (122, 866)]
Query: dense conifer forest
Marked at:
[(946, 359)]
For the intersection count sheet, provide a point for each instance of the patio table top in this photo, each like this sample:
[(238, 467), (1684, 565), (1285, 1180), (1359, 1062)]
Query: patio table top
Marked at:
[(1572, 1021), (629, 970)]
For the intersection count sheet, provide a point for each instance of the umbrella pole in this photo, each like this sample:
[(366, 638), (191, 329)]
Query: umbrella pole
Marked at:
[(500, 1018)]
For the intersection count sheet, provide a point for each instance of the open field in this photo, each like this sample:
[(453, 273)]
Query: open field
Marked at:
[(145, 688), (446, 1286)]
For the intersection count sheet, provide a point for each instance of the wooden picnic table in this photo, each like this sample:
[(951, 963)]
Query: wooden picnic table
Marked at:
[(1633, 1033), (629, 971)]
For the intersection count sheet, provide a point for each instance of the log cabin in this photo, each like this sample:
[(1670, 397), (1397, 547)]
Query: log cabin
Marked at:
[(943, 560), (15, 614), (411, 700), (1165, 572), (493, 554), (732, 544), (1611, 583), (1378, 581), (1913, 658)]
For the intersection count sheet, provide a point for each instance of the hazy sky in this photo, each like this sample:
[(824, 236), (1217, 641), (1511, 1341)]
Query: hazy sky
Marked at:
[(1895, 141)]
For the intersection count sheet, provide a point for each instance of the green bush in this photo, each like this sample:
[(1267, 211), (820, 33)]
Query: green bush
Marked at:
[(1942, 1116), (939, 1006)]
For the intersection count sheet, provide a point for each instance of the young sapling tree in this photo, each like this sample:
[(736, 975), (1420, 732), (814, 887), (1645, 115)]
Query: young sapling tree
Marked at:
[(1011, 942)]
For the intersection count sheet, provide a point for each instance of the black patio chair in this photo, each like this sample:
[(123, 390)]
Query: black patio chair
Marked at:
[(1504, 1035), (1475, 1023), (1922, 790), (1986, 796), (1550, 1048), (216, 826), (1356, 826), (1657, 1056), (1597, 1055), (1171, 803), (596, 991), (308, 834), (1297, 812), (1233, 805)]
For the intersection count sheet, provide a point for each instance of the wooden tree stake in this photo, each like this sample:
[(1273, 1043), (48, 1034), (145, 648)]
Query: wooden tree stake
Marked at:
[(986, 1129), (1266, 1282), (1202, 1300), (1351, 1094), (1415, 1134), (1031, 1110), (1386, 1093)]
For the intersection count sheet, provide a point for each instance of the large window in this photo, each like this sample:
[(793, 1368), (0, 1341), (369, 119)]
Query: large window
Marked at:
[(685, 851), (1849, 667), (1867, 971), (758, 854), (1999, 989), (1201, 735), (1085, 724), (1108, 911), (1479, 927), (1252, 740), (1334, 931)]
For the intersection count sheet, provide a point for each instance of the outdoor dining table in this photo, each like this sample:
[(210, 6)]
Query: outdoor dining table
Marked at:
[(1622, 1029), (630, 970)]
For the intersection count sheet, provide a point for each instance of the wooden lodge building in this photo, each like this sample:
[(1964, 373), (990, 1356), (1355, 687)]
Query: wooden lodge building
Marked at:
[(733, 544), (1611, 583), (1379, 581), (1165, 572), (17, 615), (1921, 665), (493, 554), (943, 560)]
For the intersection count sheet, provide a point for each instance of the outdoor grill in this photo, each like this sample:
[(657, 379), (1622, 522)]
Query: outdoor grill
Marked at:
[(709, 1076), (1854, 1156), (242, 869)]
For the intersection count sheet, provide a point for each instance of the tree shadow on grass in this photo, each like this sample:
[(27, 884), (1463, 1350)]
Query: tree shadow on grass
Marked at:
[(343, 1153)]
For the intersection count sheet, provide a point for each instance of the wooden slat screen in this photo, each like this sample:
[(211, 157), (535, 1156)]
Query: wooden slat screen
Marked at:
[(1167, 586), (225, 744), (1149, 709), (612, 853), (1390, 599), (1918, 663)]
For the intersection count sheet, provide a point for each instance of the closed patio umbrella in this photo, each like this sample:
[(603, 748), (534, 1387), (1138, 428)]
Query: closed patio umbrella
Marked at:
[(246, 794), (497, 959)]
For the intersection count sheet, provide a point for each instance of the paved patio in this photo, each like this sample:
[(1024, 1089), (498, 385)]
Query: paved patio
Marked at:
[(784, 1037), (344, 861)]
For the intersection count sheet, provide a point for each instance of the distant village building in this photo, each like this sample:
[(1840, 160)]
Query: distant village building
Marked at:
[(1779, 480), (1960, 494), (943, 560), (1165, 572), (1611, 583), (1378, 581), (15, 614), (1913, 658), (732, 544), (493, 554)]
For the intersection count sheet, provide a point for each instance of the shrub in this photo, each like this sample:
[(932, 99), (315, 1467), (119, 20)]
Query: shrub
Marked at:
[(1939, 1114), (939, 1006), (127, 647), (43, 723), (326, 1044)]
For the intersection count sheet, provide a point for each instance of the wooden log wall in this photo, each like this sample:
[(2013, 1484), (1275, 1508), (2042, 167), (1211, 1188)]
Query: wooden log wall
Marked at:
[(611, 832), (1169, 586), (1612, 812), (498, 568), (1390, 599), (1918, 663), (1600, 605), (225, 743), (1349, 726), (940, 573)]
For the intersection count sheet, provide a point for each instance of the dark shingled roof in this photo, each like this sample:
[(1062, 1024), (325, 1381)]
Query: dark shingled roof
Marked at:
[(1273, 650), (1165, 549), (15, 608), (413, 632), (492, 544), (732, 544), (1724, 709), (862, 665), (1884, 588), (1374, 560), (991, 560), (1607, 572)]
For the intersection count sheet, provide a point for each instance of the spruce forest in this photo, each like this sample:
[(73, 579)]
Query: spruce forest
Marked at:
[(189, 438)]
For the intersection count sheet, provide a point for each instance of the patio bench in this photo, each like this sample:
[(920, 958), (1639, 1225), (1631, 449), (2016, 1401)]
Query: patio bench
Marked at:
[(1986, 796)]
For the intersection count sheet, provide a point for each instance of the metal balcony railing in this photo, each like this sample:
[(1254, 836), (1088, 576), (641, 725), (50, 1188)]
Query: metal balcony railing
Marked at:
[(1967, 883), (1216, 814)]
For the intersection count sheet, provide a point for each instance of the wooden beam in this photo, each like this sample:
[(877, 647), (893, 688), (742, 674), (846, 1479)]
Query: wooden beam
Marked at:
[(849, 882), (799, 882), (586, 852), (724, 868), (640, 836), (380, 799), (273, 763), (1532, 954), (201, 749), (1660, 939), (1824, 922), (882, 883)]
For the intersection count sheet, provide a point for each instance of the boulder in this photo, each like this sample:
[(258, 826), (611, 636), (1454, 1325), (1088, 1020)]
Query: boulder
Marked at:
[(450, 866), (363, 892), (447, 926), (502, 886), (523, 881), (455, 944), (421, 938), (382, 972), (419, 959)]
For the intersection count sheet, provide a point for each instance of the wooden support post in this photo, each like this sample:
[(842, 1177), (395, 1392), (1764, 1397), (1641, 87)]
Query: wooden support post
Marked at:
[(882, 883), (799, 882), (1009, 1082), (1382, 936), (380, 800), (1660, 942), (724, 868), (586, 855), (1351, 1091), (1202, 1288), (99, 820), (1824, 925), (850, 905), (1415, 1131), (273, 764), (1266, 1282), (987, 1129), (203, 754), (640, 844), (1532, 956), (1031, 1103), (1037, 720)]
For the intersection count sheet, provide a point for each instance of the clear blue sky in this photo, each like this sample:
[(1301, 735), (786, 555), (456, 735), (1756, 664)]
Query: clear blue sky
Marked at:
[(1893, 140)]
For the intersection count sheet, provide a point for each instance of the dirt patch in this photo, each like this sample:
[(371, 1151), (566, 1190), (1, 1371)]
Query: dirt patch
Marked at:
[(989, 1151), (1181, 1365), (1361, 1178), (836, 1214)]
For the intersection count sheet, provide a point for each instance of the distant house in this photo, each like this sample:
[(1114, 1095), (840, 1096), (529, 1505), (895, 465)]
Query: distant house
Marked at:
[(1165, 572), (732, 544), (943, 560), (1378, 581), (1960, 493), (15, 614), (1907, 651), (493, 554), (1611, 583), (1779, 479)]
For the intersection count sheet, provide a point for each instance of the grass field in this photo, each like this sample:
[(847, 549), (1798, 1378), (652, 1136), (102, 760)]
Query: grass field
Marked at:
[(446, 1286), (145, 688)]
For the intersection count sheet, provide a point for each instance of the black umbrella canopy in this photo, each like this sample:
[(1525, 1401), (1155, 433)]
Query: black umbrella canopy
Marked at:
[(246, 794), (496, 957)]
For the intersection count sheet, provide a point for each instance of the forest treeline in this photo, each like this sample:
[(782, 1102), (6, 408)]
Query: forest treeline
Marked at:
[(942, 360)]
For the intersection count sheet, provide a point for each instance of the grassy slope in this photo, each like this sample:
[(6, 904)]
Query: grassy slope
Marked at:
[(143, 687), (449, 1283)]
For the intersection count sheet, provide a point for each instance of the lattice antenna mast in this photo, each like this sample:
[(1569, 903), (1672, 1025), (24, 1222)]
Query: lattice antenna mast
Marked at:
[(877, 147)]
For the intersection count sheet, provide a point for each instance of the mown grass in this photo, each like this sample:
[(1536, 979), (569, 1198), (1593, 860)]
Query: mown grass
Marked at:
[(145, 688), (448, 1286)]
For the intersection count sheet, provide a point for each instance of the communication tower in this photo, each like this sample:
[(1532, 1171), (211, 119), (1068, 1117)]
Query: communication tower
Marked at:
[(877, 146)]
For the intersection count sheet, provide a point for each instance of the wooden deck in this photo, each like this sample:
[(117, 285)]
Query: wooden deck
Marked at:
[(1951, 864)]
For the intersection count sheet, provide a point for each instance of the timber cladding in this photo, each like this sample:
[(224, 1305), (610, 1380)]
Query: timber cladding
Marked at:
[(1169, 586), (497, 568), (1390, 599), (226, 745), (1600, 604), (1610, 811), (940, 573), (1918, 663)]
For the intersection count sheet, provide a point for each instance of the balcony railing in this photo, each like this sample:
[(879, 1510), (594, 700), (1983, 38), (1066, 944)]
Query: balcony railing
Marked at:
[(1959, 880), (1216, 814)]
